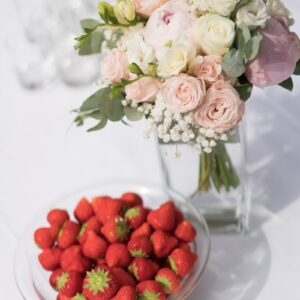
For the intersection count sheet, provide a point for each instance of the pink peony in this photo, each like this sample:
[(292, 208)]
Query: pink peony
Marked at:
[(221, 109), (278, 54), (143, 90), (114, 66), (147, 7), (183, 93)]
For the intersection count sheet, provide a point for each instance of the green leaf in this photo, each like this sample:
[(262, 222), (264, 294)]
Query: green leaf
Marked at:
[(243, 38), (297, 69), (287, 84), (245, 90), (92, 43), (135, 69), (99, 126), (93, 102), (106, 12), (89, 25), (152, 69), (133, 114), (254, 46), (233, 63)]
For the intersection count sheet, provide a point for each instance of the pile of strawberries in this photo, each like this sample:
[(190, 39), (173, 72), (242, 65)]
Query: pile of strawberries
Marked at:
[(118, 249)]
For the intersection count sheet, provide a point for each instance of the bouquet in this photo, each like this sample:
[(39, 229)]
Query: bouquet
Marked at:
[(188, 67)]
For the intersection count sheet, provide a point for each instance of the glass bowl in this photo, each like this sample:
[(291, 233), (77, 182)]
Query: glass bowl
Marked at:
[(33, 281)]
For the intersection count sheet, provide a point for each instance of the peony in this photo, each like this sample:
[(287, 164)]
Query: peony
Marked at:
[(143, 90), (147, 7), (221, 108), (207, 68), (214, 34), (169, 23), (183, 93), (272, 67), (114, 65), (254, 14), (223, 8)]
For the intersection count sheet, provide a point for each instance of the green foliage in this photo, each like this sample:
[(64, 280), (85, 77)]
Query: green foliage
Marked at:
[(244, 88), (135, 69), (287, 84), (297, 69), (90, 43), (106, 12), (89, 25), (133, 114), (233, 63)]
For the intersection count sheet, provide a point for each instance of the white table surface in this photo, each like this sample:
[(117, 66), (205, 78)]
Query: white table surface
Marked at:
[(42, 159)]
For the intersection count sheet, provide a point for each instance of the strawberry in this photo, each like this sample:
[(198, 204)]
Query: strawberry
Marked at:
[(43, 238), (69, 283), (163, 243), (61, 296), (185, 231), (163, 218), (143, 268), (185, 247), (123, 277), (54, 231), (143, 230), (150, 290), (136, 216), (94, 246), (126, 293), (168, 279), (101, 262), (182, 262), (57, 217), (132, 199), (50, 258), (140, 247), (100, 284), (117, 255), (68, 234), (178, 216), (53, 277), (83, 211), (116, 230), (91, 225)]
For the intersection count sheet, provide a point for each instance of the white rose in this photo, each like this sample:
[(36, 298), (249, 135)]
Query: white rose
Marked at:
[(254, 14), (174, 60), (276, 7), (214, 34), (224, 7)]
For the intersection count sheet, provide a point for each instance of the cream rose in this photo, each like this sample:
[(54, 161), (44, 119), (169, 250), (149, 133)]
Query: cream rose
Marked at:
[(114, 65), (254, 14), (224, 7), (147, 7), (221, 108), (143, 90), (183, 93), (276, 7), (214, 34)]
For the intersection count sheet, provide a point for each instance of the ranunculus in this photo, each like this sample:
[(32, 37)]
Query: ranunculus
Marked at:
[(207, 68), (124, 11), (168, 23), (277, 57), (183, 93), (114, 65), (147, 7), (143, 90), (223, 8), (221, 108), (214, 34)]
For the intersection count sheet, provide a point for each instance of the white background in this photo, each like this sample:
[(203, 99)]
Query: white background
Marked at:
[(42, 158)]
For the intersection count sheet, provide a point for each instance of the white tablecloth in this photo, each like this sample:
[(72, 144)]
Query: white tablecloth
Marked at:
[(42, 158)]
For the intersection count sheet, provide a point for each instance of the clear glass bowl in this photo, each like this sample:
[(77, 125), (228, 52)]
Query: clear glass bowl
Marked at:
[(33, 281)]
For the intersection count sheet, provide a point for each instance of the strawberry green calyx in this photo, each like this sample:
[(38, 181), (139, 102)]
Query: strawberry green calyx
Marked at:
[(138, 253), (147, 295), (173, 264), (62, 280), (165, 282), (132, 213), (82, 229), (122, 229), (135, 272), (98, 280), (78, 297)]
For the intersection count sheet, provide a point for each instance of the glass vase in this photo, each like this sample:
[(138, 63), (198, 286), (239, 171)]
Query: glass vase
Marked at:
[(215, 183)]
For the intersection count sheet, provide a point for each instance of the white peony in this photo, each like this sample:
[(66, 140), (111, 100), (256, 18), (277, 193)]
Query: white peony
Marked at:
[(276, 7), (254, 14), (224, 7)]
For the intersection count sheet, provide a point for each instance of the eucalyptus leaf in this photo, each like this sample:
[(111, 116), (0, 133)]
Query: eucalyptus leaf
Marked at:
[(93, 102), (287, 84), (255, 45), (135, 69), (243, 38), (92, 43), (233, 63), (99, 126), (89, 24), (297, 70), (133, 114), (244, 90)]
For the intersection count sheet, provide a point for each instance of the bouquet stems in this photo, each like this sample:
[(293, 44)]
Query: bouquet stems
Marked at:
[(216, 169)]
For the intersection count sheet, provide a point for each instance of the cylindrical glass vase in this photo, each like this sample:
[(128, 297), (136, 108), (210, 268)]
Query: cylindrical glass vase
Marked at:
[(215, 183)]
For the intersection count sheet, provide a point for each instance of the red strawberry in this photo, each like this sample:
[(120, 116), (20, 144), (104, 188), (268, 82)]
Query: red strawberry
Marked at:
[(57, 217), (140, 247), (182, 262), (178, 216), (143, 268), (185, 247), (91, 225), (53, 277), (83, 211), (136, 216), (50, 258), (69, 283), (185, 231), (101, 262), (61, 296), (44, 238), (143, 230), (123, 277), (94, 246), (126, 293), (132, 199), (68, 234), (168, 279), (100, 284), (163, 218), (150, 290), (116, 230), (54, 231), (163, 243), (117, 255)]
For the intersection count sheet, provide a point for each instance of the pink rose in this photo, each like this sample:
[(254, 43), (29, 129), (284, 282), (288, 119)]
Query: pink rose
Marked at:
[(183, 93), (147, 7), (143, 90), (168, 23), (207, 68), (114, 66), (277, 57), (221, 108)]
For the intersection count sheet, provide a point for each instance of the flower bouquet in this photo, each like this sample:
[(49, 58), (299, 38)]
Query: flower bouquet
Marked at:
[(188, 67)]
